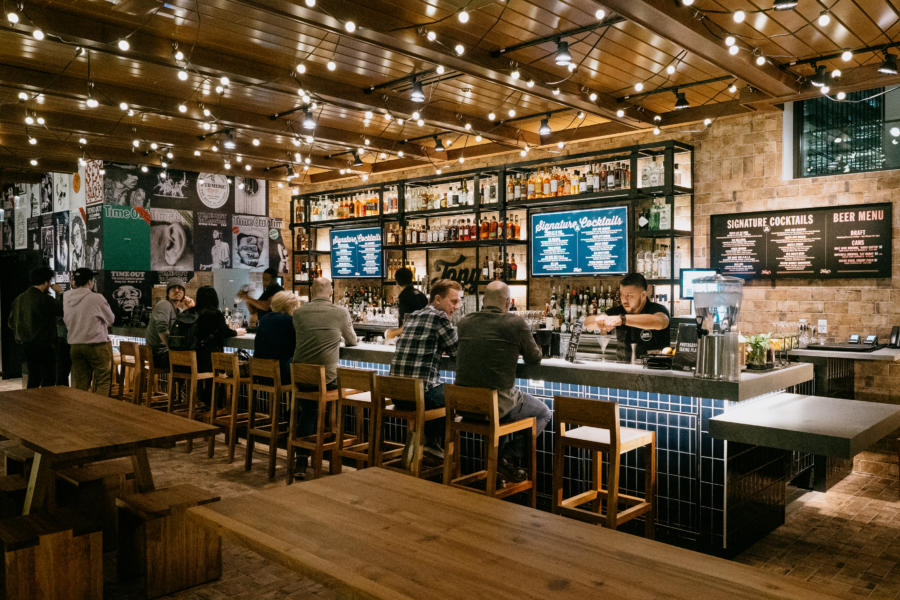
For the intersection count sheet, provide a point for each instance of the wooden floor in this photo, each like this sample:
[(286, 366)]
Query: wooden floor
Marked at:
[(846, 541)]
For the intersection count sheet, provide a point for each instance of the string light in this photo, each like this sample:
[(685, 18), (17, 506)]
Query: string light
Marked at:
[(592, 96), (729, 41), (760, 60), (32, 141), (247, 167), (468, 126), (224, 80), (515, 75), (732, 88), (656, 131), (841, 95), (196, 153), (835, 73), (92, 102), (183, 75), (23, 96), (463, 16), (846, 56), (301, 68), (599, 14), (349, 26), (136, 143), (40, 120), (670, 69), (530, 83), (154, 145), (179, 55), (824, 19), (12, 17), (492, 116), (124, 46), (459, 49), (431, 36), (37, 34), (511, 112), (707, 122), (82, 141), (33, 162), (415, 116), (560, 145), (638, 86), (620, 113), (478, 138), (123, 106), (255, 141), (733, 50), (556, 91), (182, 108), (331, 65), (144, 169), (739, 16)]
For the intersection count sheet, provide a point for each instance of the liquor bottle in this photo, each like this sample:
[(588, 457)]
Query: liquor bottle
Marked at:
[(545, 185), (492, 231), (531, 185), (520, 188), (481, 194), (485, 271), (554, 183), (665, 214), (512, 189), (512, 304), (517, 229), (513, 268), (492, 191), (654, 216), (611, 177), (490, 263), (485, 228)]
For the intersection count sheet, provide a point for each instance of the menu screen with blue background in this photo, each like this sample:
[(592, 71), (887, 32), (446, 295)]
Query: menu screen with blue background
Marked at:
[(580, 242), (356, 252)]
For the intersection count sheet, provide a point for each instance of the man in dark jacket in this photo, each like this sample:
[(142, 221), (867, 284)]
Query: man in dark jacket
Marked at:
[(32, 320), (490, 342)]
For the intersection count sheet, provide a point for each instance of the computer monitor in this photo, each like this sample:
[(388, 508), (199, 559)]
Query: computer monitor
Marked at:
[(687, 278)]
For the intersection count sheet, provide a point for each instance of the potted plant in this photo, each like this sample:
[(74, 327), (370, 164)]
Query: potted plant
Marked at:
[(757, 350)]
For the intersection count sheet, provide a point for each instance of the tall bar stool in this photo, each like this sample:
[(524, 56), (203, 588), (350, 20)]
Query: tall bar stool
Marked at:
[(123, 384), (303, 377), (226, 382), (355, 389), (146, 381), (183, 378), (269, 424), (474, 410), (410, 391), (597, 429)]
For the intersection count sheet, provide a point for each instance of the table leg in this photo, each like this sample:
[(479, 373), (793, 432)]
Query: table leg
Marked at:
[(143, 478), (39, 484)]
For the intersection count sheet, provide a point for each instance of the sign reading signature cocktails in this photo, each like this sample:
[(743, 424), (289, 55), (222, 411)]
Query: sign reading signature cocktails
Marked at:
[(580, 242)]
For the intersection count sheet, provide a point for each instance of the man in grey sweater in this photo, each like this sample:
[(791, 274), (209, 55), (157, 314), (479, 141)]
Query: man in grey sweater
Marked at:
[(87, 316), (490, 342), (319, 326)]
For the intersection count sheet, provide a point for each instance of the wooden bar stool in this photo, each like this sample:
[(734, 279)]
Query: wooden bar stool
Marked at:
[(474, 410), (183, 377), (268, 425), (597, 429), (323, 440), (146, 381), (123, 383), (227, 380), (391, 389), (355, 389)]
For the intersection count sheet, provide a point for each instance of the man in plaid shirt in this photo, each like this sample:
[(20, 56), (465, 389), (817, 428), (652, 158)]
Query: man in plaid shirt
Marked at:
[(427, 334)]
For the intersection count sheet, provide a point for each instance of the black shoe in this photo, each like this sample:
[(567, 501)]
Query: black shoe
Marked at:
[(510, 472)]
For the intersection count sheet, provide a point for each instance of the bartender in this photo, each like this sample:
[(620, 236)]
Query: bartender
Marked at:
[(637, 321)]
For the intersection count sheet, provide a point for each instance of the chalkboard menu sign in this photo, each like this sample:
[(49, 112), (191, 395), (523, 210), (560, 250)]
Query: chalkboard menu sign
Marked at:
[(845, 241), (356, 252), (580, 242)]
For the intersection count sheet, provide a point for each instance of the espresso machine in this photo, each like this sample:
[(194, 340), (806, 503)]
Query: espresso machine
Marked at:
[(717, 302)]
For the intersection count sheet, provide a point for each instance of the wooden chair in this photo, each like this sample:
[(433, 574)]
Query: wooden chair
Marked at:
[(226, 379), (146, 381), (183, 377), (124, 377), (323, 440), (410, 392), (474, 410), (356, 387), (597, 429), (267, 425)]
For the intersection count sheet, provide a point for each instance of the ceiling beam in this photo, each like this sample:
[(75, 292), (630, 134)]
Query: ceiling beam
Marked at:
[(263, 70), (678, 24)]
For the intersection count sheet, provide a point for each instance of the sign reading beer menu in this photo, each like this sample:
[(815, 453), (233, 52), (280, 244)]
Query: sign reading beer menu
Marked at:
[(356, 252), (845, 241), (580, 242)]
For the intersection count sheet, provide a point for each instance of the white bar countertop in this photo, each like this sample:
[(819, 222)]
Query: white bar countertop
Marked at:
[(818, 424), (887, 354)]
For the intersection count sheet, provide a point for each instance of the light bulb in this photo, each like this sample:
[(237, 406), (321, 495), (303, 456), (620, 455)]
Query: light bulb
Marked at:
[(592, 96), (40, 120), (530, 83), (32, 141), (219, 89), (179, 55), (824, 19), (732, 88), (12, 17), (760, 60), (400, 153), (733, 50), (135, 143), (301, 68), (638, 86), (214, 148), (468, 126), (460, 49), (729, 41), (462, 159), (515, 74), (309, 139), (169, 155), (23, 96), (556, 91), (656, 131), (183, 75), (841, 95), (33, 162), (687, 2), (670, 69), (124, 46), (224, 80), (478, 138), (895, 131), (492, 116), (463, 16), (82, 141), (739, 16), (599, 14), (620, 113), (130, 113), (92, 103), (707, 122), (123, 106), (255, 142), (420, 122), (206, 112), (846, 56), (366, 141), (415, 115), (560, 145), (387, 116), (331, 65), (349, 26), (144, 169), (382, 156), (438, 171), (196, 153), (431, 36), (38, 34), (511, 112), (182, 108), (310, 3), (247, 167), (154, 146), (825, 89), (835, 73)]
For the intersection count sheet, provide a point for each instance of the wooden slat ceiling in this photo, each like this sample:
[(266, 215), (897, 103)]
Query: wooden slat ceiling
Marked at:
[(364, 103)]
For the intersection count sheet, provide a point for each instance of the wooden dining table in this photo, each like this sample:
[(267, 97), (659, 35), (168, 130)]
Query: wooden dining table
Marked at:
[(66, 426), (380, 534)]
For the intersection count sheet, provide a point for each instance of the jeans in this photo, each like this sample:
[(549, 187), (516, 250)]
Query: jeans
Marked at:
[(309, 414), (92, 367), (512, 447), (40, 360)]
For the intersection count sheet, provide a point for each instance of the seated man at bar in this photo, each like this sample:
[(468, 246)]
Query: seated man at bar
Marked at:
[(637, 321), (261, 305), (428, 334), (490, 342), (319, 326), (163, 317), (409, 301)]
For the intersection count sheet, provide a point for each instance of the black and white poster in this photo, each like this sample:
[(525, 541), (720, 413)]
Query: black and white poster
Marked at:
[(46, 193), (61, 233), (126, 292), (250, 196), (20, 227), (172, 189), (48, 240), (61, 191), (279, 256), (171, 239), (77, 239), (212, 241), (94, 251), (93, 181), (250, 242), (8, 206), (125, 185), (34, 233), (215, 192), (34, 199)]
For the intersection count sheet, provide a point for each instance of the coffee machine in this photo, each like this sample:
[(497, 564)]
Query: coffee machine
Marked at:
[(717, 302)]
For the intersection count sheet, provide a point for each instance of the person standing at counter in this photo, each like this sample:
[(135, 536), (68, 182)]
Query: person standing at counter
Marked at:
[(408, 301), (162, 318), (88, 317), (319, 326), (637, 321), (262, 305), (32, 319), (428, 334), (490, 342)]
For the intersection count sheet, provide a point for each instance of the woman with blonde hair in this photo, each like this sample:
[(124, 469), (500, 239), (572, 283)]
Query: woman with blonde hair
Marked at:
[(275, 333)]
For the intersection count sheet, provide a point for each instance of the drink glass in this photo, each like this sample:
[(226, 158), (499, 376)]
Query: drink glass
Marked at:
[(604, 342)]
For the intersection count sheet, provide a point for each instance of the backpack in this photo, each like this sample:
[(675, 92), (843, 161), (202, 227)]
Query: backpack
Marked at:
[(183, 334)]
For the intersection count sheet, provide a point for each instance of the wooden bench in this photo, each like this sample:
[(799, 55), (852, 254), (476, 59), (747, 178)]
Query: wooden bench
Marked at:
[(12, 495), (92, 489), (16, 457), (159, 544), (55, 556)]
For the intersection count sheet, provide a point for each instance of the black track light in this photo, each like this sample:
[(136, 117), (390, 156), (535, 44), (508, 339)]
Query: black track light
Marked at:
[(680, 101), (417, 94), (308, 121), (357, 161), (563, 58), (545, 126), (818, 79), (889, 66), (784, 4), (290, 172), (438, 144)]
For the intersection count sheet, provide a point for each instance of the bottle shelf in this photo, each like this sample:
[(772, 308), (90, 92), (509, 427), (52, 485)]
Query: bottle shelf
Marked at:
[(447, 212), (607, 195), (662, 233), (463, 244), (367, 220)]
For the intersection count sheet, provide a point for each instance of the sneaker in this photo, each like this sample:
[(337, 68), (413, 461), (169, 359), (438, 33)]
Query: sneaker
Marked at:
[(434, 451), (510, 472)]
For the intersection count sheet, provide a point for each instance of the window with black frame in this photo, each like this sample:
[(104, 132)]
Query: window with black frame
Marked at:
[(860, 133)]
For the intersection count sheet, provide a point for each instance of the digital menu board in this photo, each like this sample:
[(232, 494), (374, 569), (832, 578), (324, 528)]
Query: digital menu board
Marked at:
[(846, 241), (356, 252), (591, 241)]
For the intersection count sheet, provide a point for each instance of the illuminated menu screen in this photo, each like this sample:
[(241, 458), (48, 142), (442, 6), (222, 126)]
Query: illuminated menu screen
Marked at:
[(356, 252), (846, 241), (580, 242)]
